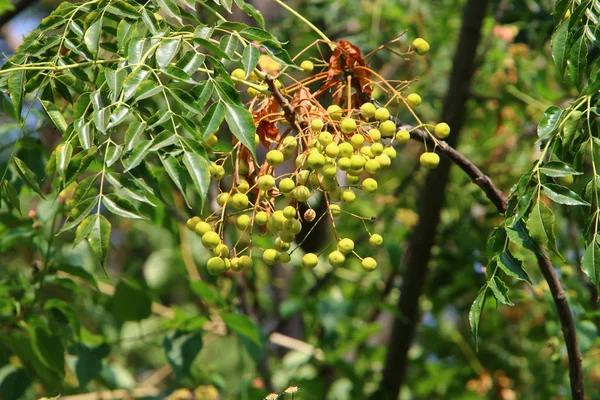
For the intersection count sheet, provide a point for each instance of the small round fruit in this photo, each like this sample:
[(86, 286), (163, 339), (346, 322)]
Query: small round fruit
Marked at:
[(284, 258), (336, 258), (429, 160), (202, 227), (390, 152), (221, 251), (292, 225), (287, 236), (368, 110), (243, 186), (372, 166), (191, 223), (309, 215), (377, 149), (357, 140), (217, 172), (376, 239), (243, 222), (211, 239), (329, 170), (289, 212), (222, 198), (375, 134), (235, 264), (344, 164), (212, 140), (315, 160), (302, 177), (325, 138), (369, 185), (316, 124), (442, 130), (421, 46), (366, 151), (310, 260), (387, 128), (383, 160), (346, 245), (348, 196), (289, 143), (252, 92), (216, 266), (239, 201), (335, 112), (382, 114), (335, 209), (238, 73), (286, 185), (369, 263), (245, 262), (353, 179), (348, 125), (357, 161), (402, 136), (332, 150), (275, 158), (301, 193), (280, 245), (307, 66), (413, 100), (346, 149), (261, 218), (266, 182), (271, 256)]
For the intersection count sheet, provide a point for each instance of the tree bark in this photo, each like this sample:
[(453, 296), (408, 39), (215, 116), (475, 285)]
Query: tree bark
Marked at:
[(431, 201)]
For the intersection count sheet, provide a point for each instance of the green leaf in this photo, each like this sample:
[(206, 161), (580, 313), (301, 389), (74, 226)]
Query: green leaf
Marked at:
[(562, 195), (194, 63), (131, 302), (590, 263), (16, 88), (124, 31), (63, 157), (250, 10), (211, 48), (123, 9), (115, 80), (49, 349), (524, 203), (11, 193), (559, 47), (170, 8), (250, 59), (175, 172), (55, 115), (13, 382), (89, 362), (27, 175), (166, 51), (206, 293), (213, 119), (163, 139), (550, 122), (118, 115), (139, 152), (99, 239), (277, 53), (577, 61), (181, 349), (512, 267), (256, 34), (148, 89), (500, 290), (557, 169), (133, 134), (102, 119), (242, 325), (133, 81), (242, 126), (228, 44), (475, 311), (120, 206), (541, 226), (197, 166), (113, 154), (87, 205), (91, 38)]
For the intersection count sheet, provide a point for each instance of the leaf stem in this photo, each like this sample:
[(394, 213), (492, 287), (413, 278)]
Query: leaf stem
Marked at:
[(307, 22)]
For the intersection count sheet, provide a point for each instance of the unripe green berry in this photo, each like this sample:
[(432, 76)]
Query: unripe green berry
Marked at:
[(280, 245), (382, 114), (348, 196), (202, 227), (325, 138), (369, 185), (336, 259), (366, 151), (284, 258), (348, 125), (402, 136), (357, 161), (300, 160), (344, 164), (335, 112), (354, 173), (243, 221), (292, 225), (211, 239), (261, 218), (271, 256), (383, 160), (413, 100), (346, 245), (289, 212), (246, 262), (242, 167), (310, 260), (266, 182), (357, 140), (289, 143), (316, 124), (315, 160), (221, 250), (302, 178), (217, 172), (376, 239), (212, 140), (369, 264), (429, 160), (287, 236), (421, 46), (301, 193), (191, 223), (375, 134), (353, 179), (238, 73), (242, 186), (368, 110), (286, 185), (390, 152), (442, 130), (216, 266), (335, 194), (372, 166), (239, 201), (346, 149), (235, 264), (332, 150), (387, 128), (275, 158), (222, 198), (335, 209), (307, 66)]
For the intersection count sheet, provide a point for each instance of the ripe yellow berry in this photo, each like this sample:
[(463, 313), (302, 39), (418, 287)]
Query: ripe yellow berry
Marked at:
[(421, 46), (345, 149), (325, 138), (332, 150), (382, 114), (348, 196), (346, 245), (387, 128), (442, 130), (344, 164), (216, 266), (315, 160), (390, 152), (335, 112), (271, 256), (191, 223), (289, 212), (286, 185), (238, 73), (222, 199), (289, 143), (275, 158), (348, 125), (266, 182), (353, 179), (383, 160), (245, 262), (429, 160), (369, 185), (243, 222), (212, 140), (357, 161), (261, 218), (372, 166), (368, 110), (369, 264), (377, 149), (211, 239), (336, 258), (252, 92), (239, 201), (376, 239), (335, 209), (202, 227), (413, 99), (329, 170), (310, 260), (243, 186), (375, 134), (316, 124), (402, 136), (366, 151), (357, 140), (307, 66), (301, 193), (221, 250), (235, 264)]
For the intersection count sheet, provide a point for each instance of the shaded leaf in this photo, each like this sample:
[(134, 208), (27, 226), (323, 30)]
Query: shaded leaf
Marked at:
[(550, 121), (475, 311), (500, 290), (541, 226), (562, 195), (91, 38), (512, 267), (197, 166), (55, 115), (557, 169), (27, 175), (120, 206), (590, 263), (213, 119), (181, 349), (99, 238), (130, 302), (242, 325)]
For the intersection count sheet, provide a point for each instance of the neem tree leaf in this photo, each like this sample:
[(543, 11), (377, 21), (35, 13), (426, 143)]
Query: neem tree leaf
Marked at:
[(181, 349), (242, 325), (475, 311), (130, 302), (99, 238), (242, 126)]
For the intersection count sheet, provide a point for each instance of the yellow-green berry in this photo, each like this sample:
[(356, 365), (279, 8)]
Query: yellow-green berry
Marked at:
[(413, 100), (346, 245), (266, 182), (429, 160), (369, 264), (310, 260), (442, 130), (216, 266), (368, 110), (421, 46), (275, 158), (210, 240), (402, 136), (382, 114), (336, 258), (307, 66), (369, 185), (376, 239)]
